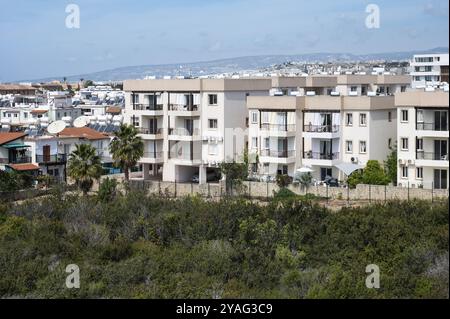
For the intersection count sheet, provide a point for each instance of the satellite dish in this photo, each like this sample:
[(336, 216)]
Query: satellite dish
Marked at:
[(81, 121), (56, 127)]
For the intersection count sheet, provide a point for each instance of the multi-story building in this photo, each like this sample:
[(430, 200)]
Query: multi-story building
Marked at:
[(423, 134), (15, 154), (320, 132), (429, 70), (185, 122)]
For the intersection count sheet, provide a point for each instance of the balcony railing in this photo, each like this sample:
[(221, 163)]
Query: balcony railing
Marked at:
[(147, 107), (321, 128), (185, 156), (184, 108), (431, 127), (431, 156), (278, 127), (143, 130), (17, 160), (57, 158), (183, 132), (278, 154), (154, 155), (321, 156)]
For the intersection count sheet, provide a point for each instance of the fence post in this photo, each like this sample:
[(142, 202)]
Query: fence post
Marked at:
[(348, 194), (408, 191), (385, 194), (250, 189), (432, 192), (175, 195), (192, 188), (370, 194), (267, 190), (327, 194), (159, 188), (209, 190)]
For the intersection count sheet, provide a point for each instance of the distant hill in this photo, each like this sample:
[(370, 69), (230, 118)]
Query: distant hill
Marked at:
[(235, 65)]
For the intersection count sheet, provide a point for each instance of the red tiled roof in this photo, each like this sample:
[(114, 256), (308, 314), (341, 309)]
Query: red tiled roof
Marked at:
[(24, 167), (9, 137), (82, 132), (114, 109), (39, 111)]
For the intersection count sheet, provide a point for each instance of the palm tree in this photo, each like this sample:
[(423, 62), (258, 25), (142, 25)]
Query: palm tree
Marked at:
[(84, 166), (126, 148)]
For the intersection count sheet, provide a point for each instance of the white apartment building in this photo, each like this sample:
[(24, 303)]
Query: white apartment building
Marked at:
[(320, 132), (423, 139), (429, 70), (188, 124)]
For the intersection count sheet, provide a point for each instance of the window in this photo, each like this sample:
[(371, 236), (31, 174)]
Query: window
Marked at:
[(349, 119), (403, 88), (254, 142), (389, 116), (419, 144), (266, 143), (212, 99), (25, 115), (212, 123), (353, 88), (404, 115), (212, 149), (266, 168), (362, 147), (15, 114), (419, 116), (404, 172), (265, 117), (349, 146), (135, 98), (419, 172), (362, 119), (405, 146), (254, 117)]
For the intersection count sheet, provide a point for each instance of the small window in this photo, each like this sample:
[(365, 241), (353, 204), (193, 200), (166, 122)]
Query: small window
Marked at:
[(404, 115), (403, 88), (212, 99), (353, 88), (405, 143), (266, 143), (389, 142), (419, 172), (362, 147), (419, 144), (362, 119), (265, 117), (404, 172), (212, 123), (212, 149), (25, 115), (254, 117), (389, 116), (266, 168), (419, 116), (349, 146), (254, 142), (349, 119), (15, 114)]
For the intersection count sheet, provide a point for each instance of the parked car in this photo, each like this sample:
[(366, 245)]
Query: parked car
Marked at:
[(210, 177)]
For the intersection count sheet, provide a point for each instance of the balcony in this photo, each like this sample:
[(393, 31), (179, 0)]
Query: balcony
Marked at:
[(54, 159), (183, 132), (278, 127), (278, 154), (152, 157), (321, 156), (16, 160), (186, 158), (431, 156), (148, 107), (184, 110), (157, 133), (321, 128), (441, 127)]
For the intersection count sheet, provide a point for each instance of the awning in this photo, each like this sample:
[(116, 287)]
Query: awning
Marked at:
[(24, 167), (348, 168), (15, 145)]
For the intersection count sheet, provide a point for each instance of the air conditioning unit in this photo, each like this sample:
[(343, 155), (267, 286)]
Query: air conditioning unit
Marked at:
[(354, 160), (410, 162), (401, 162)]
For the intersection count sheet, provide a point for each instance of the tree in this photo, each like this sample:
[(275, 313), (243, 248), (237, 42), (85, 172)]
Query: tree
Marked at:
[(305, 179), (283, 180), (107, 190), (88, 83), (234, 173), (390, 165), (373, 174), (84, 166), (126, 148)]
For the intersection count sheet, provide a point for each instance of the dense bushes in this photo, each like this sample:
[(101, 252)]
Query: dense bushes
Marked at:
[(146, 247)]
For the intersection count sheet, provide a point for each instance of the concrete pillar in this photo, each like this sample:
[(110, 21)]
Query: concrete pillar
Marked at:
[(202, 174), (145, 171)]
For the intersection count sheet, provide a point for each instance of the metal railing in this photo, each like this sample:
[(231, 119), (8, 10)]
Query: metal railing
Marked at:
[(321, 128), (143, 130), (183, 131), (421, 126), (184, 108), (57, 158), (17, 160), (154, 155), (321, 156), (279, 127), (431, 156), (278, 154), (147, 107)]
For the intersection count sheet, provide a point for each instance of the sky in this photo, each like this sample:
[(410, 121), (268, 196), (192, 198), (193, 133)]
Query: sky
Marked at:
[(35, 42)]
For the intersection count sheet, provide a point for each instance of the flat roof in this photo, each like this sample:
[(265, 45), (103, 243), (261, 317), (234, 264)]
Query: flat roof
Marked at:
[(422, 99)]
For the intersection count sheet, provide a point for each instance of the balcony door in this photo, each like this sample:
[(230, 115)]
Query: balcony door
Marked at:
[(326, 120), (282, 147), (46, 153), (441, 121), (189, 126), (440, 179), (282, 121), (153, 126), (325, 149), (440, 150)]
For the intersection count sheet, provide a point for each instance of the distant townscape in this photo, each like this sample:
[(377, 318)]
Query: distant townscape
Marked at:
[(327, 116)]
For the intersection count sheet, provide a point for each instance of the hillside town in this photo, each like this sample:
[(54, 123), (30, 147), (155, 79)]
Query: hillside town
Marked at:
[(327, 120)]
